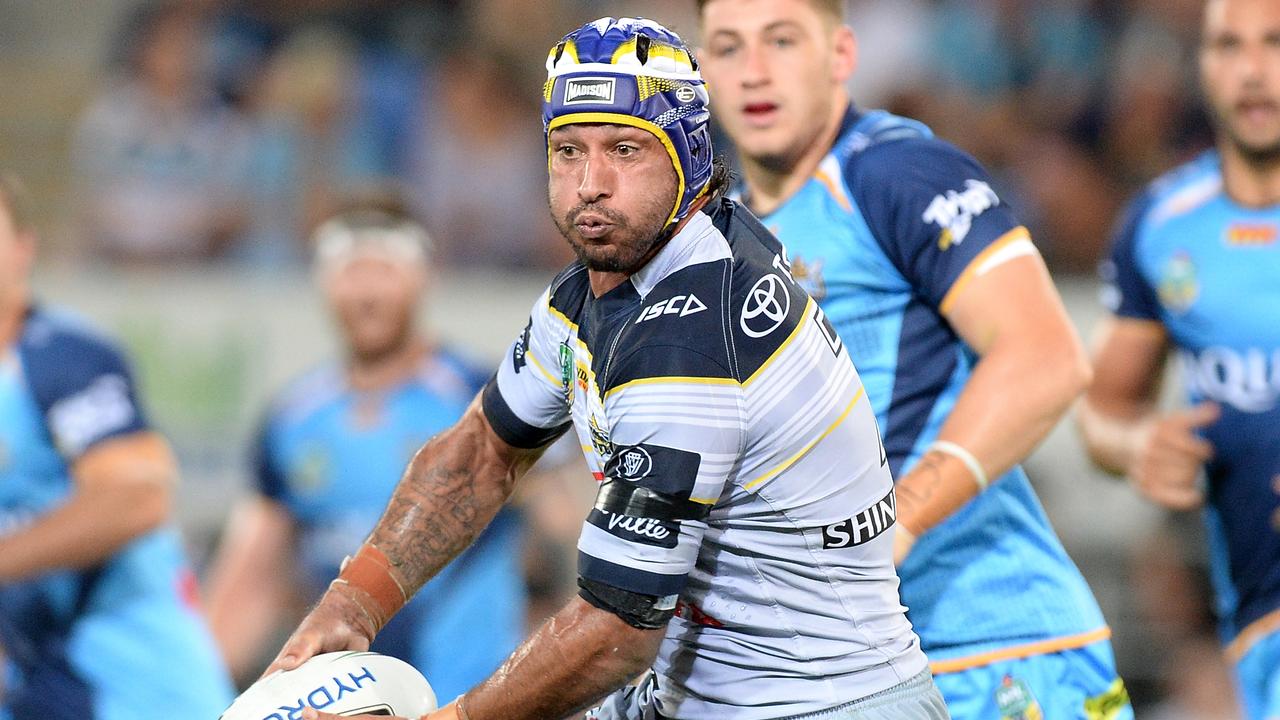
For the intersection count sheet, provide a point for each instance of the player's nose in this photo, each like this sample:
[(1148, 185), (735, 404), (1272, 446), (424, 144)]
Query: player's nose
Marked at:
[(597, 181)]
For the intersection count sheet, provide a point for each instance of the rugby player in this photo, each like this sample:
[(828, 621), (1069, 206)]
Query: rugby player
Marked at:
[(1195, 267), (98, 615), (740, 544), (330, 452), (968, 356)]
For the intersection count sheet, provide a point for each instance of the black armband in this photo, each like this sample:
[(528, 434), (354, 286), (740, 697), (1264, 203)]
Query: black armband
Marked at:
[(627, 498), (646, 612)]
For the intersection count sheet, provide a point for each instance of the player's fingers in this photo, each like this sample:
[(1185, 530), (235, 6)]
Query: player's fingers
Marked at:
[(1198, 416), (297, 650), (1183, 443)]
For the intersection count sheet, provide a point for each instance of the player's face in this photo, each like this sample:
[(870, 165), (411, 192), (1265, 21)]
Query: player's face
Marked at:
[(774, 68), (611, 190), (1240, 70), (373, 300)]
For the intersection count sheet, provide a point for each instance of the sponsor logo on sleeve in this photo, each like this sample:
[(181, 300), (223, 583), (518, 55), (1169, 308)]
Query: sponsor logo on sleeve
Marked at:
[(766, 306), (593, 90), (95, 412), (520, 351), (954, 211), (633, 463), (646, 531), (863, 527)]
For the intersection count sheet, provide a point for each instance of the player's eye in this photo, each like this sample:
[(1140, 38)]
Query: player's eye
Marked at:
[(724, 48), (567, 152), (783, 42), (626, 149)]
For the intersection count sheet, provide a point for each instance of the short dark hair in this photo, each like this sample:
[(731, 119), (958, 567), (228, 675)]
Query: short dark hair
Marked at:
[(16, 202), (834, 8)]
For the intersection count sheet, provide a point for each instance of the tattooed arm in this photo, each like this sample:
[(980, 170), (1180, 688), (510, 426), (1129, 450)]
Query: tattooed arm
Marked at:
[(1031, 368), (451, 490)]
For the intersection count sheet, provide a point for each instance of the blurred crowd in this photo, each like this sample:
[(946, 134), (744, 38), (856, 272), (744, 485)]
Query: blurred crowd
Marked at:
[(222, 130)]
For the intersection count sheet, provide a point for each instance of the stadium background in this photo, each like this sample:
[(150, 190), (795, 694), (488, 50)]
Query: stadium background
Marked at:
[(279, 108)]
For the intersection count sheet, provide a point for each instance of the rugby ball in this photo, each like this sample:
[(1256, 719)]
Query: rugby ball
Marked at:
[(341, 683)]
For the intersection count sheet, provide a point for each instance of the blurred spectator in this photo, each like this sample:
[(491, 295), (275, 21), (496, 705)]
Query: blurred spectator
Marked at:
[(330, 454), (479, 166), (159, 161)]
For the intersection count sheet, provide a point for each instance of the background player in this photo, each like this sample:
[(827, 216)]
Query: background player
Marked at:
[(97, 604), (1196, 266), (330, 453), (968, 355), (727, 545)]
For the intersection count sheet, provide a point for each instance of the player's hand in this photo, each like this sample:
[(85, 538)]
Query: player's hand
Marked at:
[(337, 623), (1170, 454)]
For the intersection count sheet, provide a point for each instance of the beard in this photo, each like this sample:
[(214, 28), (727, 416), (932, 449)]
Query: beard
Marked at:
[(627, 247), (1256, 154)]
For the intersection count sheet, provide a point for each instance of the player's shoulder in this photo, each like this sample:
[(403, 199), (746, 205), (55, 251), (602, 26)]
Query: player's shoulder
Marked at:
[(1188, 188), (61, 336), (307, 394), (564, 297), (764, 304), (61, 349), (681, 328), (879, 146)]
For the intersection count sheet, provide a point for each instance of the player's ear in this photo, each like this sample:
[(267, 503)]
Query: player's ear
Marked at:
[(844, 57)]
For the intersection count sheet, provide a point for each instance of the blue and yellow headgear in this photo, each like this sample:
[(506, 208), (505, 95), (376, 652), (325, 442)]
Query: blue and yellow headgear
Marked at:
[(632, 71)]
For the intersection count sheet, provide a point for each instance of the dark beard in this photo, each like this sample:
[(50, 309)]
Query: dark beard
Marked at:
[(627, 262), (1258, 157)]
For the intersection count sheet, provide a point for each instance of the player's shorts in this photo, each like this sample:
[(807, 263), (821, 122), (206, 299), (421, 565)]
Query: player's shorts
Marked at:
[(1077, 684), (915, 699), (1258, 677)]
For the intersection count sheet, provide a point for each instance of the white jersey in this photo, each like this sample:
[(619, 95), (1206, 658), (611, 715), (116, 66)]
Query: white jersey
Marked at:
[(711, 377)]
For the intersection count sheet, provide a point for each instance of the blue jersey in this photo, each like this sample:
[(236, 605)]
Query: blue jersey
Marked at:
[(883, 235), (120, 641), (332, 456), (1209, 270)]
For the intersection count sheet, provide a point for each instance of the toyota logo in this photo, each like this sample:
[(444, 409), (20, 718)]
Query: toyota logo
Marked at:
[(766, 307)]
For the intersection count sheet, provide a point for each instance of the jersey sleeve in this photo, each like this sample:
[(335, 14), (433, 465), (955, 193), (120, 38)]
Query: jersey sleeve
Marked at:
[(84, 389), (675, 437), (934, 212), (1125, 291), (525, 399), (268, 476)]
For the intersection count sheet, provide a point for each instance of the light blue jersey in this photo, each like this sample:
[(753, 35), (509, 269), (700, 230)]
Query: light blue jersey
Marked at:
[(120, 641), (332, 456), (1208, 269), (885, 233)]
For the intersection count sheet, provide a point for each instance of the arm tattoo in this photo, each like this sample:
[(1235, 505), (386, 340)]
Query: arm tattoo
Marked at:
[(451, 490)]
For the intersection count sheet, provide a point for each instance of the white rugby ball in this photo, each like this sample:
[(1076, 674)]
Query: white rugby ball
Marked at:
[(341, 683)]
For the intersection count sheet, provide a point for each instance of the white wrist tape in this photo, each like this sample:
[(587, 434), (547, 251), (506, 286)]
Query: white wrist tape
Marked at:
[(966, 457)]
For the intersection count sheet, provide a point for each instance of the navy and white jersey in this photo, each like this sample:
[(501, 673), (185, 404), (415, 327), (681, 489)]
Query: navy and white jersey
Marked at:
[(885, 235), (120, 641), (332, 455), (1208, 269), (712, 378)]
